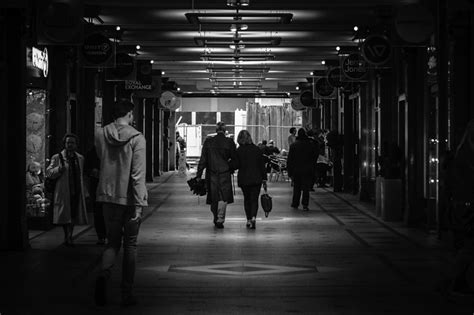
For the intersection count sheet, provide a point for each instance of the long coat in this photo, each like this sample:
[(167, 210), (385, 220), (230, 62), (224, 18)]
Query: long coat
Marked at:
[(302, 159), (217, 154), (250, 164), (61, 198)]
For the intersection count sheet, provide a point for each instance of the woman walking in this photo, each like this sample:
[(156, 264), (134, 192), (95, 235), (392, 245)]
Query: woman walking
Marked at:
[(69, 203), (251, 174)]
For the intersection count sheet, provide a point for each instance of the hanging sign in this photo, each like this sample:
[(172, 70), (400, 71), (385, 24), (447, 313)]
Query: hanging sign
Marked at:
[(323, 88), (124, 68), (97, 50), (376, 49), (40, 60), (336, 78), (137, 85), (414, 23), (354, 67)]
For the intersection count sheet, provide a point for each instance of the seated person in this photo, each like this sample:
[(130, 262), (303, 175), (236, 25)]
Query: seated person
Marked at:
[(33, 177)]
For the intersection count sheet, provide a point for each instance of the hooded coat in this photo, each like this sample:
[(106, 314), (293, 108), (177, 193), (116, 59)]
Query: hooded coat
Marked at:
[(62, 213), (122, 153)]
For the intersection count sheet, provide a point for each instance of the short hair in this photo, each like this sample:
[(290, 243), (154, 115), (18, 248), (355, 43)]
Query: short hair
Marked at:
[(220, 127), (70, 135), (121, 108), (301, 132), (264, 142), (244, 137), (292, 130)]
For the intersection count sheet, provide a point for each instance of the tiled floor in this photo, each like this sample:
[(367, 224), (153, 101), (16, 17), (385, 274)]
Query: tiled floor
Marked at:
[(337, 258)]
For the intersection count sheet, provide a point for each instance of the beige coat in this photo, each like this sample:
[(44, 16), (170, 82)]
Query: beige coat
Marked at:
[(61, 199)]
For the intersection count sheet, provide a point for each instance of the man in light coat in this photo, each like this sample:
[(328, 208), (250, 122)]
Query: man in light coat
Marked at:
[(121, 150)]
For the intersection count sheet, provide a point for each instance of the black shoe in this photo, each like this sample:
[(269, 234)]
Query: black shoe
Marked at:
[(253, 222), (219, 225), (129, 301), (305, 208), (100, 295), (249, 224)]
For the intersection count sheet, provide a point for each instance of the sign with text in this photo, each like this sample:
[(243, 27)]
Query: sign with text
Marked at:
[(354, 67), (40, 60), (324, 89), (137, 86), (376, 49), (97, 51)]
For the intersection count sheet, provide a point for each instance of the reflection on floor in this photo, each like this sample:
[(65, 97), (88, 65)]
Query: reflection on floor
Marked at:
[(337, 258)]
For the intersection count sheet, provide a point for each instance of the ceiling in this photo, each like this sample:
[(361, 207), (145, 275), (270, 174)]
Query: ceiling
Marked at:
[(284, 42)]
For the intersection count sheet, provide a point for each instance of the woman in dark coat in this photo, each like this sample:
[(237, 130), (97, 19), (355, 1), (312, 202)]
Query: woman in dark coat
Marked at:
[(217, 153), (251, 174), (301, 168)]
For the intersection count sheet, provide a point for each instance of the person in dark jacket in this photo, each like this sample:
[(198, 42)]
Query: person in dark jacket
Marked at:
[(217, 153), (301, 168), (251, 174)]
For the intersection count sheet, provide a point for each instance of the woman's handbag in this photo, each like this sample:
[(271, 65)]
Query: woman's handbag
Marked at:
[(266, 201)]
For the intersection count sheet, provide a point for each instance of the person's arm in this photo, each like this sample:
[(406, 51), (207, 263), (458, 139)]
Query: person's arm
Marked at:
[(261, 164), (138, 172), (203, 160), (55, 169)]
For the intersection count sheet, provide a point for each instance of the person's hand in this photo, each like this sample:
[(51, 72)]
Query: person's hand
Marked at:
[(138, 213)]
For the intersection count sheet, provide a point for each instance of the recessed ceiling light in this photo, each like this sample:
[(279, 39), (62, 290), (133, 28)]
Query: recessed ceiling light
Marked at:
[(338, 48), (297, 88), (117, 28), (138, 47), (356, 28), (152, 61), (311, 73), (162, 73), (323, 62)]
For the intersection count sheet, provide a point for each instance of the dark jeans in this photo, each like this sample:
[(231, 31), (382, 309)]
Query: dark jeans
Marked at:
[(251, 194), (301, 184), (321, 171), (121, 226), (99, 222)]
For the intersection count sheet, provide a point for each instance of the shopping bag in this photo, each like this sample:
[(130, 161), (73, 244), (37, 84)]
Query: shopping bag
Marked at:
[(266, 201)]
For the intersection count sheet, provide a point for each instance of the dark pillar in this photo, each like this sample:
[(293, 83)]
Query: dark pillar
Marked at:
[(58, 98), (149, 104), (138, 113), (416, 84), (166, 140), (349, 145), (13, 228), (86, 108), (156, 140), (365, 147), (108, 100)]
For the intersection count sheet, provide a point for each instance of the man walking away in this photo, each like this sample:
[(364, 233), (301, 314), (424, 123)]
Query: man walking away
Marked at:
[(121, 150), (217, 153)]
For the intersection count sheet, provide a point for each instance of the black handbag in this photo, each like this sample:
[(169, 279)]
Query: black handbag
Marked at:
[(266, 201), (198, 187)]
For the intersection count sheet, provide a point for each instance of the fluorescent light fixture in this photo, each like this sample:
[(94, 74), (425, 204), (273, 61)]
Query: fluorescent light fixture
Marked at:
[(250, 41), (239, 18)]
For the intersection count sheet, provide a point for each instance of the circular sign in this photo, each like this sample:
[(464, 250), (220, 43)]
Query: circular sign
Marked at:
[(414, 23), (123, 65), (354, 67), (97, 48), (296, 103), (169, 100), (306, 98), (323, 88), (376, 49), (336, 77)]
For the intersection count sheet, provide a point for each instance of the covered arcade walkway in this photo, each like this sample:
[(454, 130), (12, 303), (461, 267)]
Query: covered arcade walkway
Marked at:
[(338, 258)]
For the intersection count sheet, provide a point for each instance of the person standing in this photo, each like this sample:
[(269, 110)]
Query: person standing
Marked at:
[(292, 136), (122, 190), (91, 167), (301, 168), (69, 202), (217, 153), (251, 174)]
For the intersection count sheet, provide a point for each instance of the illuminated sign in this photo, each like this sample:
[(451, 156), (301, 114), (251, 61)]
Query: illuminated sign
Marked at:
[(40, 60)]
